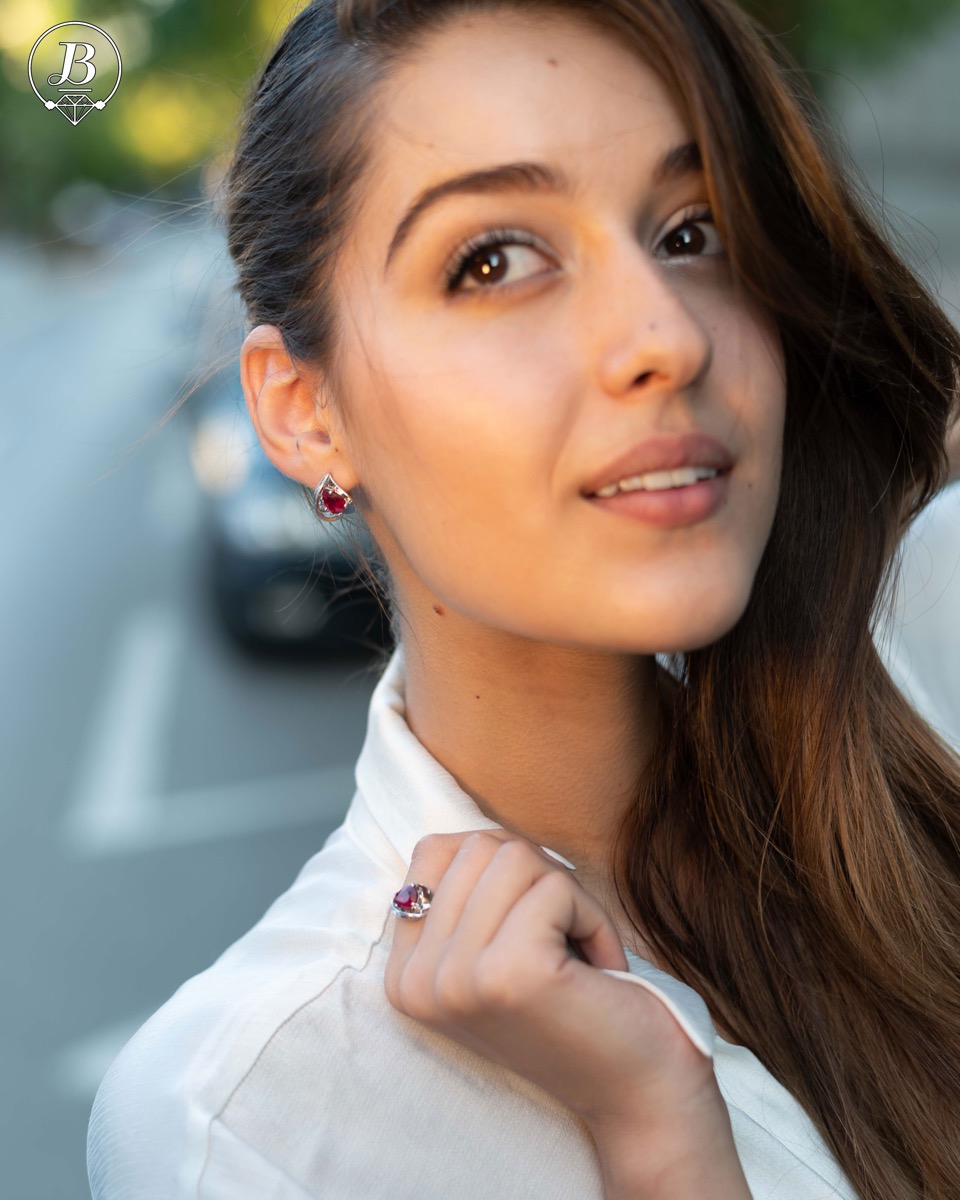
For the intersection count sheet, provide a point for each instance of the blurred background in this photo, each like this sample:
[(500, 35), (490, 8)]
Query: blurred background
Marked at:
[(186, 662)]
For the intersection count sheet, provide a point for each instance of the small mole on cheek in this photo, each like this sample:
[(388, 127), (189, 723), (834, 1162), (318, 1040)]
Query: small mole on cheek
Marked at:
[(553, 62), (478, 696), (438, 609)]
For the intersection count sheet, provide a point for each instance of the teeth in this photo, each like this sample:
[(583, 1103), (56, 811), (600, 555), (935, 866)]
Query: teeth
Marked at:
[(658, 481)]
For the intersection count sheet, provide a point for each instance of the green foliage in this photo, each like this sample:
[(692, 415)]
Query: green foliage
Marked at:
[(187, 64), (827, 33)]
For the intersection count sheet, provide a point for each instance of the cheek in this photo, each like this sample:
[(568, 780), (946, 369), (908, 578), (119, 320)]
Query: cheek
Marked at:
[(471, 417), (767, 405), (461, 437), (752, 364), (774, 419)]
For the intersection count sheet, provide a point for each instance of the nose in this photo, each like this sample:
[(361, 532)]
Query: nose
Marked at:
[(647, 339)]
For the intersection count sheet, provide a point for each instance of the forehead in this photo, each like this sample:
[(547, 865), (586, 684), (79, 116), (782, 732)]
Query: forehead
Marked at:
[(501, 86)]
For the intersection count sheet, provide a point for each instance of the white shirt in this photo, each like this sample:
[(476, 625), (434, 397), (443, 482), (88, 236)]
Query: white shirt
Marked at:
[(282, 1072), (922, 645)]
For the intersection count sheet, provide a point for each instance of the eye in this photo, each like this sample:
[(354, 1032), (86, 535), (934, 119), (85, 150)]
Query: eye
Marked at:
[(486, 261), (695, 237)]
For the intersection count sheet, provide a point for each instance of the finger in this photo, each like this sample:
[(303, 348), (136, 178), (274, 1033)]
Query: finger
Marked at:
[(454, 890), (432, 858), (431, 862), (511, 871), (552, 910), (439, 862)]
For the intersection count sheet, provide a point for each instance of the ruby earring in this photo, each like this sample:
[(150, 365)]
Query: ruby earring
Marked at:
[(330, 501)]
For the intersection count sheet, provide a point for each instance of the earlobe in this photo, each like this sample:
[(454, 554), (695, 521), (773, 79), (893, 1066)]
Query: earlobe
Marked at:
[(282, 402)]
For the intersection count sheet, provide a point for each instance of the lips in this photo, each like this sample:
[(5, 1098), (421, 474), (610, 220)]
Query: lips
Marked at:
[(665, 453)]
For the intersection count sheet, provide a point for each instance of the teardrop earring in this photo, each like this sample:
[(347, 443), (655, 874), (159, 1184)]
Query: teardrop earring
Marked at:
[(330, 500)]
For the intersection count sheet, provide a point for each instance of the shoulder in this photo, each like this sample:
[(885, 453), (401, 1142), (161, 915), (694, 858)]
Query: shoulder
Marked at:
[(918, 635), (160, 1109)]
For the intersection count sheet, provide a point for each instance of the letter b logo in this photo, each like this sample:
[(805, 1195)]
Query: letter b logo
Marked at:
[(74, 67), (70, 57)]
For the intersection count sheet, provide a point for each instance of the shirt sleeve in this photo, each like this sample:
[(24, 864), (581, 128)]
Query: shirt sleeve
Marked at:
[(919, 637)]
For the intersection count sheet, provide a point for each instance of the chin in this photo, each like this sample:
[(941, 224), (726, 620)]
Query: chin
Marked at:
[(705, 627), (690, 621)]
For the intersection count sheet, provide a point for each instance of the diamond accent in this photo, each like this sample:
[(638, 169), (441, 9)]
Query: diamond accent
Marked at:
[(73, 105)]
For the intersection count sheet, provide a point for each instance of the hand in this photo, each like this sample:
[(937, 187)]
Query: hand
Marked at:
[(490, 966)]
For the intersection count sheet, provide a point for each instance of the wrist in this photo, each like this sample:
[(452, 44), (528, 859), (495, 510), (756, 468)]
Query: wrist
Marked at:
[(686, 1158), (690, 1176)]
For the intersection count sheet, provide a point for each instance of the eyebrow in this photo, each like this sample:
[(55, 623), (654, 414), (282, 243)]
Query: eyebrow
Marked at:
[(675, 164)]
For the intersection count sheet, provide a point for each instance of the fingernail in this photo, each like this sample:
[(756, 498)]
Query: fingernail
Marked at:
[(559, 857)]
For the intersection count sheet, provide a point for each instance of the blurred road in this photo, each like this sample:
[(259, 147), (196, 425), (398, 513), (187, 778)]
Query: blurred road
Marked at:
[(157, 790)]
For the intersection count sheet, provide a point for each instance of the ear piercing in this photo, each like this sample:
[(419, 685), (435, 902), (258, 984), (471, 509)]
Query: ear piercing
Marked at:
[(330, 500)]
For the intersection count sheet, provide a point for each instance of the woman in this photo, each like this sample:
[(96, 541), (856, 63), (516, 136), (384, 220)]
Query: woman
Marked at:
[(573, 304)]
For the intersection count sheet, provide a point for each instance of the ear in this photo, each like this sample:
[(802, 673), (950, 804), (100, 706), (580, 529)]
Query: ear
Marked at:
[(284, 402)]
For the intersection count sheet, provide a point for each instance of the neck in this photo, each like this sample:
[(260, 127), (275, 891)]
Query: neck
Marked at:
[(549, 741)]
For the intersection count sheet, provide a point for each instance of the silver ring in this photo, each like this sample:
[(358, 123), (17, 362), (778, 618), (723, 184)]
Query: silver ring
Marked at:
[(412, 901)]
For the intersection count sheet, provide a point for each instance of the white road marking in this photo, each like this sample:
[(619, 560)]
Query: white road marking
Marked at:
[(117, 793), (118, 806), (80, 1067)]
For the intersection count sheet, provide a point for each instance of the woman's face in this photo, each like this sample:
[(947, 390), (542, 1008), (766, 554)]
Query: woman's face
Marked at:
[(507, 339)]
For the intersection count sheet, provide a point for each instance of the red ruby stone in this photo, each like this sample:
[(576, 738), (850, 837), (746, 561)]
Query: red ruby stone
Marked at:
[(407, 897), (333, 501)]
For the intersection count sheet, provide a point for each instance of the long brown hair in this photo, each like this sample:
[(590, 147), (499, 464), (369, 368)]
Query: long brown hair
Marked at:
[(794, 853)]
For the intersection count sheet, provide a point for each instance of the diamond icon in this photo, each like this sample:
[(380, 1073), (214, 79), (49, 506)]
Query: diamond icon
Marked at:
[(74, 106), (74, 67)]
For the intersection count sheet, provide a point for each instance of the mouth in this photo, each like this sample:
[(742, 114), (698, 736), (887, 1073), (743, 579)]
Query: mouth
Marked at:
[(666, 499), (660, 462), (659, 481)]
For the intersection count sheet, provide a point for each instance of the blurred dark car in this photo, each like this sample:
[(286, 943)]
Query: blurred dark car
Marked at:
[(277, 575)]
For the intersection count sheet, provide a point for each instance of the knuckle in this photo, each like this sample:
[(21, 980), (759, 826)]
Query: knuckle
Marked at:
[(477, 840), (453, 990), (430, 844), (558, 892), (413, 996), (554, 884), (497, 983), (516, 850)]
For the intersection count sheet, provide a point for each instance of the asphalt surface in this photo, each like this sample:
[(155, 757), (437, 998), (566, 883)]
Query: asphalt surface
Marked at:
[(158, 790)]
